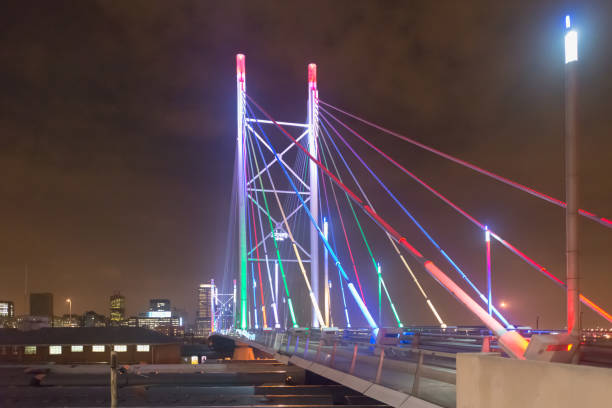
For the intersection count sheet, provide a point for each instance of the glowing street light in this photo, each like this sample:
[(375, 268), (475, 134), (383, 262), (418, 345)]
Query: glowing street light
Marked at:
[(503, 305), (69, 301), (571, 42)]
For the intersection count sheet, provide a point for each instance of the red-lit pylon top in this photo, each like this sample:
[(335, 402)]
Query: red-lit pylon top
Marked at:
[(240, 70), (312, 76)]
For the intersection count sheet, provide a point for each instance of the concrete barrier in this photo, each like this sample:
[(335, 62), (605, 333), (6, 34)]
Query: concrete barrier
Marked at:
[(486, 380)]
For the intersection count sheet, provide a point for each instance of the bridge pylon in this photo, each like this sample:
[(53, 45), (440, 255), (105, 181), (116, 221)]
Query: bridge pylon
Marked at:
[(260, 244), (313, 118)]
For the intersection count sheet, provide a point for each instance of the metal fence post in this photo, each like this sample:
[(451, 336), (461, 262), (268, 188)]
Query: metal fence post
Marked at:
[(297, 343), (380, 365), (354, 360), (288, 342), (318, 350), (306, 347), (333, 354), (417, 375), (416, 340), (113, 379)]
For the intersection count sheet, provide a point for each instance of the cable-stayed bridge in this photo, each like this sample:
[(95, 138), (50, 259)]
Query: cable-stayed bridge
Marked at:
[(305, 232)]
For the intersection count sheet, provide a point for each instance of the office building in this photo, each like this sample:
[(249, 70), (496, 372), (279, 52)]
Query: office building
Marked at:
[(7, 308), (160, 317), (93, 319), (117, 308), (204, 314), (41, 304)]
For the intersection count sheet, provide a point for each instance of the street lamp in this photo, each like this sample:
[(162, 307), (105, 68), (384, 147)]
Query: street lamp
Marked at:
[(571, 179), (69, 301)]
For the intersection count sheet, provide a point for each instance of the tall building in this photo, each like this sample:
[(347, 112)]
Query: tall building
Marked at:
[(41, 304), (117, 308), (161, 318), (7, 308), (93, 319), (203, 323)]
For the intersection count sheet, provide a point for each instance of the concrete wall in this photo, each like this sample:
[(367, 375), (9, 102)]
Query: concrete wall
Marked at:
[(486, 380)]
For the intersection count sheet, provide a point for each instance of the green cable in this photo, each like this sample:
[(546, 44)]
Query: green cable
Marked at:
[(280, 263), (399, 323)]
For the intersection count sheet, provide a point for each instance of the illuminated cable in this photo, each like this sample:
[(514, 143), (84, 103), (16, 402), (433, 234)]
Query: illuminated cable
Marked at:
[(512, 342), (412, 218), (278, 256), (601, 220), (376, 266), (365, 196), (250, 231), (265, 248), (295, 249), (261, 290), (348, 322), (348, 245), (462, 212), (352, 289)]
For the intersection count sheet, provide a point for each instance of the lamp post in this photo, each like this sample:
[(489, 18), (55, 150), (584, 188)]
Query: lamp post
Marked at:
[(69, 301), (571, 180)]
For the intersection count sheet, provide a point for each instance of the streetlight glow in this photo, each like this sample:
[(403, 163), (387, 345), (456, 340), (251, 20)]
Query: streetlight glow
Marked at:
[(571, 42), (69, 301)]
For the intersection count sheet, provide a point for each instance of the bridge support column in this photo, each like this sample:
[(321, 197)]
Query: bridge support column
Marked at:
[(241, 174), (313, 118)]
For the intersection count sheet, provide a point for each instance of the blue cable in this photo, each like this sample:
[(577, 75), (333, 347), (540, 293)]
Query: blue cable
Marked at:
[(363, 308), (429, 237)]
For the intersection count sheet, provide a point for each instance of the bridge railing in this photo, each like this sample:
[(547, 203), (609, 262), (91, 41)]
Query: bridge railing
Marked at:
[(426, 374)]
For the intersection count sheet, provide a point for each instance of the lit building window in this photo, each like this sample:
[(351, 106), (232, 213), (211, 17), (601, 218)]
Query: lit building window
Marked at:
[(97, 348), (30, 350), (76, 349), (120, 347), (142, 347), (54, 350)]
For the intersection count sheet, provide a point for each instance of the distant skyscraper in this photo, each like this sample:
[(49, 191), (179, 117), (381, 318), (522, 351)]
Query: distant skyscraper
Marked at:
[(117, 308), (41, 304), (203, 324), (7, 308), (160, 317)]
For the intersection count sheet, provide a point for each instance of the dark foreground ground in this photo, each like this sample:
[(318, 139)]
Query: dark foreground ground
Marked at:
[(230, 384)]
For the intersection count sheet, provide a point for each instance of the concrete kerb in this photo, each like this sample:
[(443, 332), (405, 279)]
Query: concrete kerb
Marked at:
[(281, 358), (414, 402), (300, 362), (386, 395)]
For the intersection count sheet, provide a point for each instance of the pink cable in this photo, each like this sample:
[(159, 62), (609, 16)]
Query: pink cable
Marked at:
[(601, 220), (512, 248)]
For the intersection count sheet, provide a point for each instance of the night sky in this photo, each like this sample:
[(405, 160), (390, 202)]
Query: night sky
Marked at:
[(117, 138)]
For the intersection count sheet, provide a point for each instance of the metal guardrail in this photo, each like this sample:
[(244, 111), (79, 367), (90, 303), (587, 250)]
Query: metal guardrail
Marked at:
[(420, 372)]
